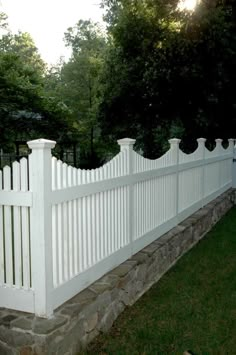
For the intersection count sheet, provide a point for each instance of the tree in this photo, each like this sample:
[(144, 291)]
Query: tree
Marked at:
[(169, 71), (25, 107), (138, 31), (3, 22), (80, 82)]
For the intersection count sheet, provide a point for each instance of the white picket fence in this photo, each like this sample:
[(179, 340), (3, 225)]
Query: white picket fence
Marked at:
[(62, 228)]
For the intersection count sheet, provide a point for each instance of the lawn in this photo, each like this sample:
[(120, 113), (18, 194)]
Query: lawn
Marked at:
[(192, 307)]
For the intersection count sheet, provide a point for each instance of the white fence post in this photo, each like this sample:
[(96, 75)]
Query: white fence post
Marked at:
[(218, 144), (174, 146), (40, 170), (218, 150), (202, 153), (128, 144), (233, 145)]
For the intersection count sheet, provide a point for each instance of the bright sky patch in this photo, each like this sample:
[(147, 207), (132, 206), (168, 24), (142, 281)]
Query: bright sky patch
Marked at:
[(47, 20)]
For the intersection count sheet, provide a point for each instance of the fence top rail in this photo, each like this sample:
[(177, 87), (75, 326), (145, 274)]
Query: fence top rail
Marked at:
[(164, 160), (78, 191), (64, 176)]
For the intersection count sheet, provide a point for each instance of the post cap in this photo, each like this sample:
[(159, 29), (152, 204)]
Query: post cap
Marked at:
[(231, 142), (174, 141), (219, 141), (201, 140), (41, 144), (126, 142)]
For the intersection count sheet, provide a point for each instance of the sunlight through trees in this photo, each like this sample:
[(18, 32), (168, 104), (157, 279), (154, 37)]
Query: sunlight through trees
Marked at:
[(188, 5)]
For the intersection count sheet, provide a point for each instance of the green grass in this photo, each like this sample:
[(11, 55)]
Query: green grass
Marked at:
[(192, 307)]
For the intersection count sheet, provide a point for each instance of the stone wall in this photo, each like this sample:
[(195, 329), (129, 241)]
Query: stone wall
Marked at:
[(94, 310)]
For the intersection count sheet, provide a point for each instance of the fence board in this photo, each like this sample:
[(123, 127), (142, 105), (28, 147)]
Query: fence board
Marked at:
[(55, 248), (17, 229), (25, 226), (2, 254), (75, 229), (60, 244), (8, 229)]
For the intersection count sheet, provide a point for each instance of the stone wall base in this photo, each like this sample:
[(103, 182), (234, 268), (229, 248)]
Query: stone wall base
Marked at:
[(81, 319)]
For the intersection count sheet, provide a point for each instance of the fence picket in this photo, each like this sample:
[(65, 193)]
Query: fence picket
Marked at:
[(55, 248), (102, 206), (25, 226), (2, 232), (75, 229), (99, 236), (89, 224), (65, 225), (80, 229), (17, 228), (119, 201), (93, 221), (8, 228), (60, 226), (105, 214), (109, 216), (85, 256), (70, 223), (112, 192)]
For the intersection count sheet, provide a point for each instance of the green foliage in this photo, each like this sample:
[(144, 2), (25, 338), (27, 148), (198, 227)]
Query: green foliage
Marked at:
[(3, 21), (79, 84), (26, 109), (85, 36), (23, 45), (156, 73), (165, 67)]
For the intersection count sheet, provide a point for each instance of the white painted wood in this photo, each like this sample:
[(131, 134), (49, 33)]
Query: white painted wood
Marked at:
[(219, 150), (75, 229), (2, 254), (85, 256), (202, 152), (70, 223), (111, 183), (101, 219), (60, 227), (18, 299), (41, 225), (215, 194), (25, 227), (65, 230), (118, 240), (16, 198), (106, 217), (99, 238), (84, 223), (55, 248), (112, 212), (94, 216), (233, 173), (88, 218), (88, 276), (17, 229), (127, 144), (8, 229), (174, 147), (80, 228), (140, 162)]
